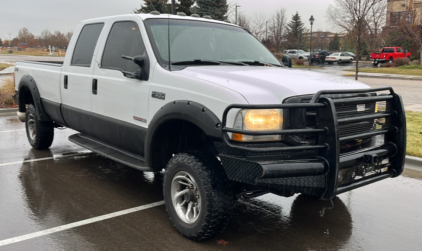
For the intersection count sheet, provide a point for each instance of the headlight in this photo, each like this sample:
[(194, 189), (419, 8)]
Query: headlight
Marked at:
[(258, 120)]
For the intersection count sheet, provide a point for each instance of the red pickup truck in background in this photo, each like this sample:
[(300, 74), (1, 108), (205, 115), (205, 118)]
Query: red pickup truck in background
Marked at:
[(389, 54)]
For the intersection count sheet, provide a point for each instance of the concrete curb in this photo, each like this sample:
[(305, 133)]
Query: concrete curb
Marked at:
[(8, 111), (413, 163), (384, 77)]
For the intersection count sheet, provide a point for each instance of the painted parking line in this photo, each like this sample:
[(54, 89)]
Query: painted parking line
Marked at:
[(47, 158), (14, 130), (78, 224)]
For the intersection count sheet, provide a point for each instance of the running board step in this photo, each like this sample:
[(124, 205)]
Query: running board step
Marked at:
[(121, 156)]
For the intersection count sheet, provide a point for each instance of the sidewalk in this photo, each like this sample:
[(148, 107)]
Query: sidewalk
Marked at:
[(382, 75)]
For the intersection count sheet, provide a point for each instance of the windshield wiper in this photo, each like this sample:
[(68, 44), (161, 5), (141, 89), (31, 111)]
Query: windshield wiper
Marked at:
[(206, 62), (233, 63), (258, 63), (197, 62)]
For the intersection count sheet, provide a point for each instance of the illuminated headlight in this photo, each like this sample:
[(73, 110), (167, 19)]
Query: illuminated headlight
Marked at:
[(258, 120)]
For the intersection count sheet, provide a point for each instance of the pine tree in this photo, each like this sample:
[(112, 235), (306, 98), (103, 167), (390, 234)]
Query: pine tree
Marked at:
[(1, 42), (154, 5), (295, 33), (185, 6), (335, 43), (217, 9)]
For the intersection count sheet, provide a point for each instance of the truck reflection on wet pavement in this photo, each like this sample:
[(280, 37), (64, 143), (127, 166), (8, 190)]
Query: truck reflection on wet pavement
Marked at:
[(40, 195)]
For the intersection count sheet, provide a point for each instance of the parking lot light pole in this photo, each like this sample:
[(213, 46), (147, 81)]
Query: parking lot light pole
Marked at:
[(311, 20)]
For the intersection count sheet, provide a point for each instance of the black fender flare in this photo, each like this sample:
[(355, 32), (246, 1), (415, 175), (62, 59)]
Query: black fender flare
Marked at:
[(189, 111), (27, 82)]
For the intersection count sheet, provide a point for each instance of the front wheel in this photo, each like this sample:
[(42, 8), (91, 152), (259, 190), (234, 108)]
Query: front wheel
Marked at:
[(197, 194), (40, 134)]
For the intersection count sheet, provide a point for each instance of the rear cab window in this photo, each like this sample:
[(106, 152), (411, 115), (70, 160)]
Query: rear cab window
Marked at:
[(85, 46)]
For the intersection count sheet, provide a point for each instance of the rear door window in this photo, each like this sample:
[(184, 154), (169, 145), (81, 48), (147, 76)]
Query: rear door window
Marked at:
[(85, 46), (124, 39)]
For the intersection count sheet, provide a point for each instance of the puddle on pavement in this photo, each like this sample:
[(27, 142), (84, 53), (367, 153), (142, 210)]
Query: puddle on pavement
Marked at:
[(10, 121)]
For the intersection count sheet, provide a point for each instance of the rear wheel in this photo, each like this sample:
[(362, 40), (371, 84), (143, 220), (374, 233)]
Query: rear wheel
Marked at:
[(40, 134), (339, 61), (390, 60), (198, 196), (375, 63)]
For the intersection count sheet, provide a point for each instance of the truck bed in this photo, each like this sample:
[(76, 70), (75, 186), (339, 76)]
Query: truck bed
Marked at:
[(46, 74)]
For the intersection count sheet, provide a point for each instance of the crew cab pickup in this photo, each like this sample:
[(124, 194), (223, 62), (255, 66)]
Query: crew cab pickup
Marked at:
[(204, 102), (389, 54)]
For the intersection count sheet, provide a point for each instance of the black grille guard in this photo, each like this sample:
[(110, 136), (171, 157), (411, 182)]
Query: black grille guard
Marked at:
[(328, 139)]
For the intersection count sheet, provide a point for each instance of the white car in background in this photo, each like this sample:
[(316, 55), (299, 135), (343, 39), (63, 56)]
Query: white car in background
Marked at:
[(297, 54), (339, 57)]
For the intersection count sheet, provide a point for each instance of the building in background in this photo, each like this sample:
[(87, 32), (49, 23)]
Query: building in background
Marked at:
[(397, 9)]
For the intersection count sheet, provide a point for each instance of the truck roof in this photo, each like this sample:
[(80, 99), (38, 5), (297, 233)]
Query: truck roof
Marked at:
[(144, 16)]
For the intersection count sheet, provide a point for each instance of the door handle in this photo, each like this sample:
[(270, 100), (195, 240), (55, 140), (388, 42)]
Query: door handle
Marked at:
[(65, 81), (94, 86)]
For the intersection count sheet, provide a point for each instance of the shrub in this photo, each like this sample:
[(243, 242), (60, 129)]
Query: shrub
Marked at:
[(387, 65), (298, 61), (400, 62), (6, 91)]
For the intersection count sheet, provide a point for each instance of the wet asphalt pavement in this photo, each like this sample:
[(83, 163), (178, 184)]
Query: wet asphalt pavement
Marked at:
[(46, 190)]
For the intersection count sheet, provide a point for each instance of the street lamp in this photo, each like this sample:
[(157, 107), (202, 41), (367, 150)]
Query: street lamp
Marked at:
[(236, 12), (311, 20), (322, 37)]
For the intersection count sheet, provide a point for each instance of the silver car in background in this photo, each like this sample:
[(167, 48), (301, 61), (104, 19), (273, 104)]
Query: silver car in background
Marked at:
[(297, 54)]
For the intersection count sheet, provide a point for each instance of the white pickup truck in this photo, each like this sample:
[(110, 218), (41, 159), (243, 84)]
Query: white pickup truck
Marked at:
[(207, 103)]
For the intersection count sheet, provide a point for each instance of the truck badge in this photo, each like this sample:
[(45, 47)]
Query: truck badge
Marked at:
[(158, 95)]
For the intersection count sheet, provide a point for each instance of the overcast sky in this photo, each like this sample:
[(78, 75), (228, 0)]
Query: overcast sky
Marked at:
[(64, 15)]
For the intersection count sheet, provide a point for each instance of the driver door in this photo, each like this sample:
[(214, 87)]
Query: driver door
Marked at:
[(120, 104)]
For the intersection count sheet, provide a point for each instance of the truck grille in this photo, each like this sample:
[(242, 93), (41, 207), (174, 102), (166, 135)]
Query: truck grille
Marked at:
[(359, 134), (307, 118)]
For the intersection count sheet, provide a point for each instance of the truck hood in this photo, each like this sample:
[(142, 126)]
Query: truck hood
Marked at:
[(270, 85)]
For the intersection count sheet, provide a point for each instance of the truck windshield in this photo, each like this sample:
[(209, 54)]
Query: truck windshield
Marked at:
[(194, 43)]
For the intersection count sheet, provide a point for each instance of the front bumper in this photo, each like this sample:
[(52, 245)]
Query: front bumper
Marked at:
[(379, 60), (320, 169)]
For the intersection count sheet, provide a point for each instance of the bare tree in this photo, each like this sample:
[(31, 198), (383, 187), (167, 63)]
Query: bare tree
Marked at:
[(45, 38), (69, 36), (412, 29), (59, 40), (257, 27), (277, 28), (373, 25), (243, 21), (24, 35), (351, 16)]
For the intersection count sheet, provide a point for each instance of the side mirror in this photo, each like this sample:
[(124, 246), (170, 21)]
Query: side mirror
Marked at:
[(287, 61), (139, 60), (142, 73)]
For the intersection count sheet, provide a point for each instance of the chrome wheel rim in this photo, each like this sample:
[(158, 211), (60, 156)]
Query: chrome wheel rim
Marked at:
[(32, 132), (186, 197)]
